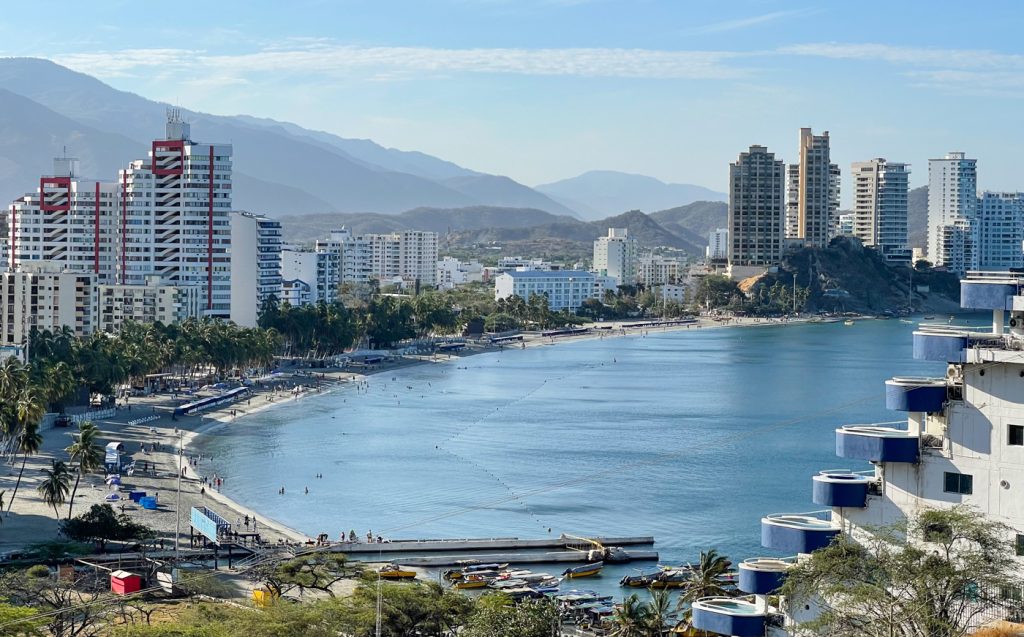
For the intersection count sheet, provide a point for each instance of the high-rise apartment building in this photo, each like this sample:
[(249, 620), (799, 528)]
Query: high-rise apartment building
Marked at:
[(47, 295), (756, 212), (255, 265), (68, 220), (1000, 231), (718, 244), (175, 217), (880, 207), (952, 211), (615, 255), (813, 190), (417, 256)]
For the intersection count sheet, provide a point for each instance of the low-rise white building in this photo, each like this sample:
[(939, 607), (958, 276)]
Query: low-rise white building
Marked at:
[(296, 292), (507, 264), (48, 296), (565, 289), (148, 303), (657, 270), (671, 293), (452, 273)]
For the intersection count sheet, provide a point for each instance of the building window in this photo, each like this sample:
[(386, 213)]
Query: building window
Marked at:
[(1015, 436), (961, 483)]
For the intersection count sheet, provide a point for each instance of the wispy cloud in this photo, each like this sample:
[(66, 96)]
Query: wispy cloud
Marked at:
[(325, 58), (910, 56), (751, 21), (959, 71)]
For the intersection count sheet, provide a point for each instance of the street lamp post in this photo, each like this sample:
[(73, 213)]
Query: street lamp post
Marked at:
[(177, 502)]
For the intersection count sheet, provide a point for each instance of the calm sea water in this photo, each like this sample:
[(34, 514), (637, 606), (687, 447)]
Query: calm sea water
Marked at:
[(689, 436)]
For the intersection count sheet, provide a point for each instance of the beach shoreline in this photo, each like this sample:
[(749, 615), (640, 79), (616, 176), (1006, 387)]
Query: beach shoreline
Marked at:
[(161, 433)]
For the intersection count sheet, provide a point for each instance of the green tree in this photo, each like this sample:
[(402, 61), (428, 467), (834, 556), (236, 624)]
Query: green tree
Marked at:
[(933, 575), (389, 320), (314, 571), (706, 580), (20, 620), (426, 609), (55, 486), (495, 615), (100, 524), (87, 455), (632, 618), (716, 291), (28, 443)]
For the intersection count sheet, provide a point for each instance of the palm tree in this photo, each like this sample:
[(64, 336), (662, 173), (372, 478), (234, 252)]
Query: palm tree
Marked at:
[(28, 443), (54, 488), (86, 453), (659, 609), (632, 618), (706, 580)]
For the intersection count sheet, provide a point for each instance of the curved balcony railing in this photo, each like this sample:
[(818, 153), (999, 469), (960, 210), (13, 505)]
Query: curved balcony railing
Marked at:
[(911, 393), (797, 532), (764, 575), (841, 488), (877, 443), (736, 616)]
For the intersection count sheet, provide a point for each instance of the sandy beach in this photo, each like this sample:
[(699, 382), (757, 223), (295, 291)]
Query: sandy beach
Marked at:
[(31, 520)]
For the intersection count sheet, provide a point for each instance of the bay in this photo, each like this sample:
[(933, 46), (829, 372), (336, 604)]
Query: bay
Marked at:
[(691, 436)]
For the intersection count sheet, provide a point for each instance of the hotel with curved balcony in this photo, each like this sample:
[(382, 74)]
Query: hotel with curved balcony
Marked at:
[(962, 442)]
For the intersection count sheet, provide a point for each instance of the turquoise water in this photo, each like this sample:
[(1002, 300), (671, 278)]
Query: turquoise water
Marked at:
[(689, 436)]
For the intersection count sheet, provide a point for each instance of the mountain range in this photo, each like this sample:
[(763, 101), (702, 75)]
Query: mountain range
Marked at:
[(280, 168)]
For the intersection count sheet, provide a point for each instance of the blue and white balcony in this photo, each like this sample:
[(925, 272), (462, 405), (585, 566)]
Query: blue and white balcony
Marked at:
[(736, 616), (764, 575), (797, 532), (909, 393), (841, 488), (877, 443), (941, 343)]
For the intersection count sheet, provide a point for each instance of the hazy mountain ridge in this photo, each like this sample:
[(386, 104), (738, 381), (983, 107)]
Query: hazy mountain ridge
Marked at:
[(518, 226), (609, 192), (297, 170)]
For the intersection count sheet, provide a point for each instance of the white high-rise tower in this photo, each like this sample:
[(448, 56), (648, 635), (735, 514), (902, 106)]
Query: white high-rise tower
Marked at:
[(952, 212), (175, 217)]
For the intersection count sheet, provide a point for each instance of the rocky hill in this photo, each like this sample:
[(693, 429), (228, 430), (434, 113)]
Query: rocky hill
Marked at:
[(846, 276)]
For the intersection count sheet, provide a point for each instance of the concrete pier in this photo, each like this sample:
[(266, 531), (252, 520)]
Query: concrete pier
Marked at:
[(483, 544), (517, 558)]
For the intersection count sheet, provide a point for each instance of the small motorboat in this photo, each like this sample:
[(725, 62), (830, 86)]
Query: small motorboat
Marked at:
[(472, 581), (930, 317), (462, 571), (907, 321), (848, 322), (585, 570), (393, 571), (501, 584)]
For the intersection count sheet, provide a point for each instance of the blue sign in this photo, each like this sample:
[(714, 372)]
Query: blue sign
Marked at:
[(203, 524)]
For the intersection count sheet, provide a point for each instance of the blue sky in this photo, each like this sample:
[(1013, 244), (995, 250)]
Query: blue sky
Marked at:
[(545, 89)]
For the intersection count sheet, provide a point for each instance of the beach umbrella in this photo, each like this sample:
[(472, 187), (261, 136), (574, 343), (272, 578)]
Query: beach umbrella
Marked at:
[(116, 480)]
